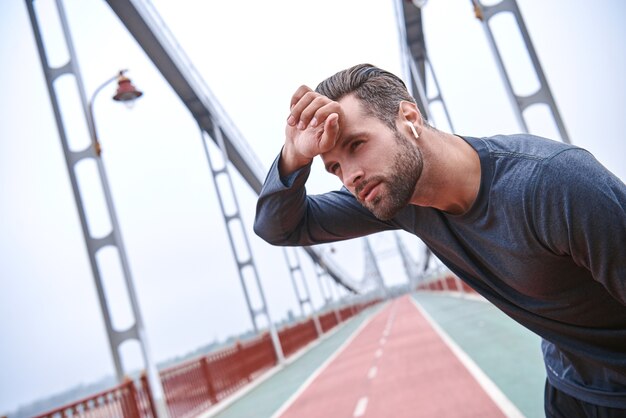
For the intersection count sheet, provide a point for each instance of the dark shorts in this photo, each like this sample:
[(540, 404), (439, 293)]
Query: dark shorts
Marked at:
[(560, 405)]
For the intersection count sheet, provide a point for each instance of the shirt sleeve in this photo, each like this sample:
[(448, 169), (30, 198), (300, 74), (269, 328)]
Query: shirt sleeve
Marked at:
[(286, 215), (580, 211)]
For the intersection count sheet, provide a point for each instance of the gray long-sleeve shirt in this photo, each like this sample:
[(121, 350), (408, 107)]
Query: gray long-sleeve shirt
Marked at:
[(545, 241)]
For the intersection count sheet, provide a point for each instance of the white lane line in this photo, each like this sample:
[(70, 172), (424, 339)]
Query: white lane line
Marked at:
[(379, 353), (389, 323), (372, 373), (320, 369), (499, 398), (361, 406)]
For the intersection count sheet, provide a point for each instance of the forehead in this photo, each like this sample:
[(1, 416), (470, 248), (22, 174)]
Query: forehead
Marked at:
[(354, 111), (356, 123)]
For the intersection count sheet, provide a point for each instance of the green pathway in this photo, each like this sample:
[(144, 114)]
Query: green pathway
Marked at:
[(506, 352)]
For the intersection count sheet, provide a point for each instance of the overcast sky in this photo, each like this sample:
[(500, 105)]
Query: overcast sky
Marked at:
[(252, 55)]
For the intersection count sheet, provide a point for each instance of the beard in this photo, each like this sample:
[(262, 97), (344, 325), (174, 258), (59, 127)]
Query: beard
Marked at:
[(399, 183)]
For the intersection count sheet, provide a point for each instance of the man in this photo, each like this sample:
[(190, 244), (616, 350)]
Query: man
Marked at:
[(536, 226)]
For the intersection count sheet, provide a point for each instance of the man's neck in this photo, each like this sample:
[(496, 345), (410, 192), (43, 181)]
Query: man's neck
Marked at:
[(451, 176)]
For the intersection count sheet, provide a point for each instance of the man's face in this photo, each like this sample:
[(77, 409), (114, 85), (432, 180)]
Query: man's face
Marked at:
[(379, 166)]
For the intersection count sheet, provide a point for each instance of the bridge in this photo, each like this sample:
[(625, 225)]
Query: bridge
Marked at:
[(355, 353)]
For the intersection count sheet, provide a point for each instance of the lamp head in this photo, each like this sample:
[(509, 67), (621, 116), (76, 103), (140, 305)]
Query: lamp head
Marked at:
[(126, 91)]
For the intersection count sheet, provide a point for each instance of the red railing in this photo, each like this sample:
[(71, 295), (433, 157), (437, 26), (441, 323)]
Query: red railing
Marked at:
[(193, 386), (347, 312), (328, 321), (125, 400), (446, 283), (362, 306), (293, 338)]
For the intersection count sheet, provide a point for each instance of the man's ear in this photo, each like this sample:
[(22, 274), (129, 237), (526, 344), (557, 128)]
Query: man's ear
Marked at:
[(408, 112), (410, 118)]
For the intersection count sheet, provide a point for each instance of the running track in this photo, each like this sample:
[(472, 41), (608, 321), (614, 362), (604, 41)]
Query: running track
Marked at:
[(397, 365)]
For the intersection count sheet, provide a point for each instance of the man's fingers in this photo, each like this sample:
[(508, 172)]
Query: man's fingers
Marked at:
[(301, 91), (323, 112), (310, 108), (330, 133), (314, 109), (300, 99), (304, 110), (313, 124)]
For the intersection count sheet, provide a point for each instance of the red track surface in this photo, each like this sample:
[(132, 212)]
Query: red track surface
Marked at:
[(397, 366)]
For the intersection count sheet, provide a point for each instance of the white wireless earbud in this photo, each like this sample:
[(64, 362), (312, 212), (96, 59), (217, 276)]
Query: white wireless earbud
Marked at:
[(415, 134)]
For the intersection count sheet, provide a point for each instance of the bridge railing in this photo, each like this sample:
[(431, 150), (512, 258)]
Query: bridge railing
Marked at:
[(446, 283), (294, 337), (128, 399), (193, 386)]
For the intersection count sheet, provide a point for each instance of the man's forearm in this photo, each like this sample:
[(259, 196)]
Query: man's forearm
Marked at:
[(281, 205), (289, 162)]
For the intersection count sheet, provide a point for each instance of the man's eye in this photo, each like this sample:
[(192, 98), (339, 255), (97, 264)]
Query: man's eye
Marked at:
[(354, 145), (334, 168)]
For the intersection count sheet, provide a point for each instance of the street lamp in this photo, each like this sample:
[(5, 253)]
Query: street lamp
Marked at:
[(126, 93)]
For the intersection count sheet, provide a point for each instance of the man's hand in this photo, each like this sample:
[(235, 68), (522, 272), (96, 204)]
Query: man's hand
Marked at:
[(313, 127)]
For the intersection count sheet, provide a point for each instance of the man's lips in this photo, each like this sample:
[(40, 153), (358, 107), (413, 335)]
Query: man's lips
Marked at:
[(363, 194)]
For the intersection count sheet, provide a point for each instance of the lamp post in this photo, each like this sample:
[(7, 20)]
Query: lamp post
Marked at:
[(92, 152), (126, 93)]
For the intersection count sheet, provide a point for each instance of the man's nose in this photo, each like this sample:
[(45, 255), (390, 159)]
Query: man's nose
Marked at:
[(355, 175)]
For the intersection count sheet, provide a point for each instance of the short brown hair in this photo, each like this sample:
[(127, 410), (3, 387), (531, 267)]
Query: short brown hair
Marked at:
[(380, 91)]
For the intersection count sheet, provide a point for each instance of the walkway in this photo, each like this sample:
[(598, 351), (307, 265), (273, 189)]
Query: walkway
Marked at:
[(412, 357)]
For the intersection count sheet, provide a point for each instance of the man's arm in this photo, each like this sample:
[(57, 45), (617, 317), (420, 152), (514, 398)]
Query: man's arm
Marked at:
[(580, 211), (285, 215)]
